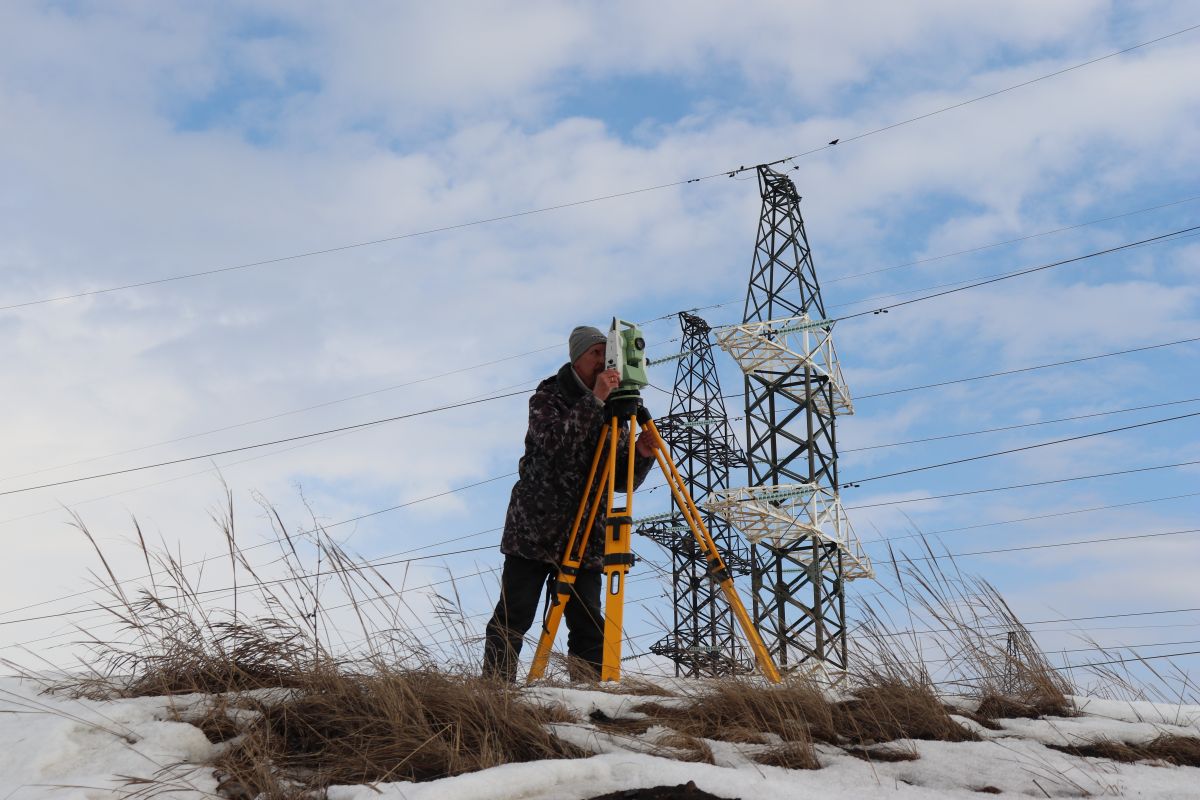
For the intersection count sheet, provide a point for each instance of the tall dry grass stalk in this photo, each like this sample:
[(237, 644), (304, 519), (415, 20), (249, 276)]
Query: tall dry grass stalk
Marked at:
[(297, 709), (392, 709), (955, 632)]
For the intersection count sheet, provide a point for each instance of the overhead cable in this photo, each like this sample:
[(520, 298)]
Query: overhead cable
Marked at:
[(243, 448), (997, 523), (942, 437), (855, 482), (1163, 237), (1024, 485), (837, 142)]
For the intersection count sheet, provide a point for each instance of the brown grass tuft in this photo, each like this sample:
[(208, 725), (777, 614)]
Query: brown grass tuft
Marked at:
[(1182, 751), (891, 711), (394, 726), (740, 711), (682, 747), (962, 624), (995, 706), (621, 725), (883, 754), (792, 755)]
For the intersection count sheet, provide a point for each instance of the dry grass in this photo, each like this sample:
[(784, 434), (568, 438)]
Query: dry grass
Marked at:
[(740, 711), (385, 714), (792, 755), (962, 626), (682, 747), (882, 754), (737, 710), (1181, 751), (391, 726), (890, 711), (398, 711)]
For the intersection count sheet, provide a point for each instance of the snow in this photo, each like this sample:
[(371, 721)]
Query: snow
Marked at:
[(56, 747), (53, 746)]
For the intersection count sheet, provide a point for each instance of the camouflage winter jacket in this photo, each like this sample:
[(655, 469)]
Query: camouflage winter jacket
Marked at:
[(565, 424)]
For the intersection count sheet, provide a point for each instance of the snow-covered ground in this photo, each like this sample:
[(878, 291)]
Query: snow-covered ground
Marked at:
[(55, 747)]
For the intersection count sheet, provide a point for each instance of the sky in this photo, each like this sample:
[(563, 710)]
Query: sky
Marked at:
[(347, 153)]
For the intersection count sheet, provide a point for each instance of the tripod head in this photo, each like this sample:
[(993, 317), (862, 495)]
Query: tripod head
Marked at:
[(626, 353)]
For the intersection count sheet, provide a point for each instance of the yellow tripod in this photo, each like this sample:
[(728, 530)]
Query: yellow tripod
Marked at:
[(617, 555)]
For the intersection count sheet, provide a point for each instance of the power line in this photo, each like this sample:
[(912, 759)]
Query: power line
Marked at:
[(571, 204), (852, 276), (291, 412), (1032, 369), (1137, 659), (1010, 371), (1018, 239), (356, 426), (1075, 543), (539, 350), (854, 507), (1024, 485), (856, 482), (958, 283), (513, 394), (1030, 270), (273, 582), (924, 534), (1119, 615), (1017, 427), (1005, 90)]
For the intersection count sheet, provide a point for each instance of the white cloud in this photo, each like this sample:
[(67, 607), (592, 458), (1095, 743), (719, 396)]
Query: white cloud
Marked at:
[(409, 129)]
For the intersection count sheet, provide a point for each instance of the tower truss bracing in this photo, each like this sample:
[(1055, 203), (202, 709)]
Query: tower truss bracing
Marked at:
[(704, 639), (803, 549)]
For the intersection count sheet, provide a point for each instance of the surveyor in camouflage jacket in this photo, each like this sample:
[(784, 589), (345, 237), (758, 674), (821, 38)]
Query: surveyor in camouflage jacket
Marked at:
[(566, 417)]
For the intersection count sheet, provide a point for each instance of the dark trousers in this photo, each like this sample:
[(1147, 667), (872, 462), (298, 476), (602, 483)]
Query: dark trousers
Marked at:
[(521, 590)]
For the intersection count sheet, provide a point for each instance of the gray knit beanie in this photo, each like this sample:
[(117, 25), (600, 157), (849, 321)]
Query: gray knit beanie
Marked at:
[(582, 338)]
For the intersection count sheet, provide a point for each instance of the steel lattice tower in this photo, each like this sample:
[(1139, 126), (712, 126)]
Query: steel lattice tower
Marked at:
[(704, 641), (797, 580)]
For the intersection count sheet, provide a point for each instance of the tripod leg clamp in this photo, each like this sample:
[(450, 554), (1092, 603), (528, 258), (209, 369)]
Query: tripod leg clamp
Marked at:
[(562, 587)]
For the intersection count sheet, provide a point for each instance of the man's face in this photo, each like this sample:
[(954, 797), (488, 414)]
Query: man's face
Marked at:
[(591, 364)]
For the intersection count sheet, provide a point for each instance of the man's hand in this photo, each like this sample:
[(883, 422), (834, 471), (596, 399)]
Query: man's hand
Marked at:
[(645, 444), (605, 383)]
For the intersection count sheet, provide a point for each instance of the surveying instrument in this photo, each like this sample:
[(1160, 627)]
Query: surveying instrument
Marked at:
[(626, 353)]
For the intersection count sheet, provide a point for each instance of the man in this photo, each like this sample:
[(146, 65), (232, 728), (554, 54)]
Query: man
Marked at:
[(566, 417)]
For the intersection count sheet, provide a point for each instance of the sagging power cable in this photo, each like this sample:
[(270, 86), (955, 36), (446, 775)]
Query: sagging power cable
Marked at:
[(243, 448), (1002, 428), (840, 141), (854, 483)]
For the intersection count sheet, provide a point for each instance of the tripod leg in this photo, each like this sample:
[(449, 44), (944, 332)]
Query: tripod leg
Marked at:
[(716, 566), (617, 557), (572, 557)]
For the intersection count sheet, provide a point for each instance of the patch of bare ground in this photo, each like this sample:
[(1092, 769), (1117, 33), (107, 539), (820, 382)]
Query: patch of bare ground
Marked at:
[(683, 791), (1181, 751)]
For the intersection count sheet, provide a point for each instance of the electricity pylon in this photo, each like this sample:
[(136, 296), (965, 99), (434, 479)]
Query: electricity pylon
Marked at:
[(803, 548), (704, 640)]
